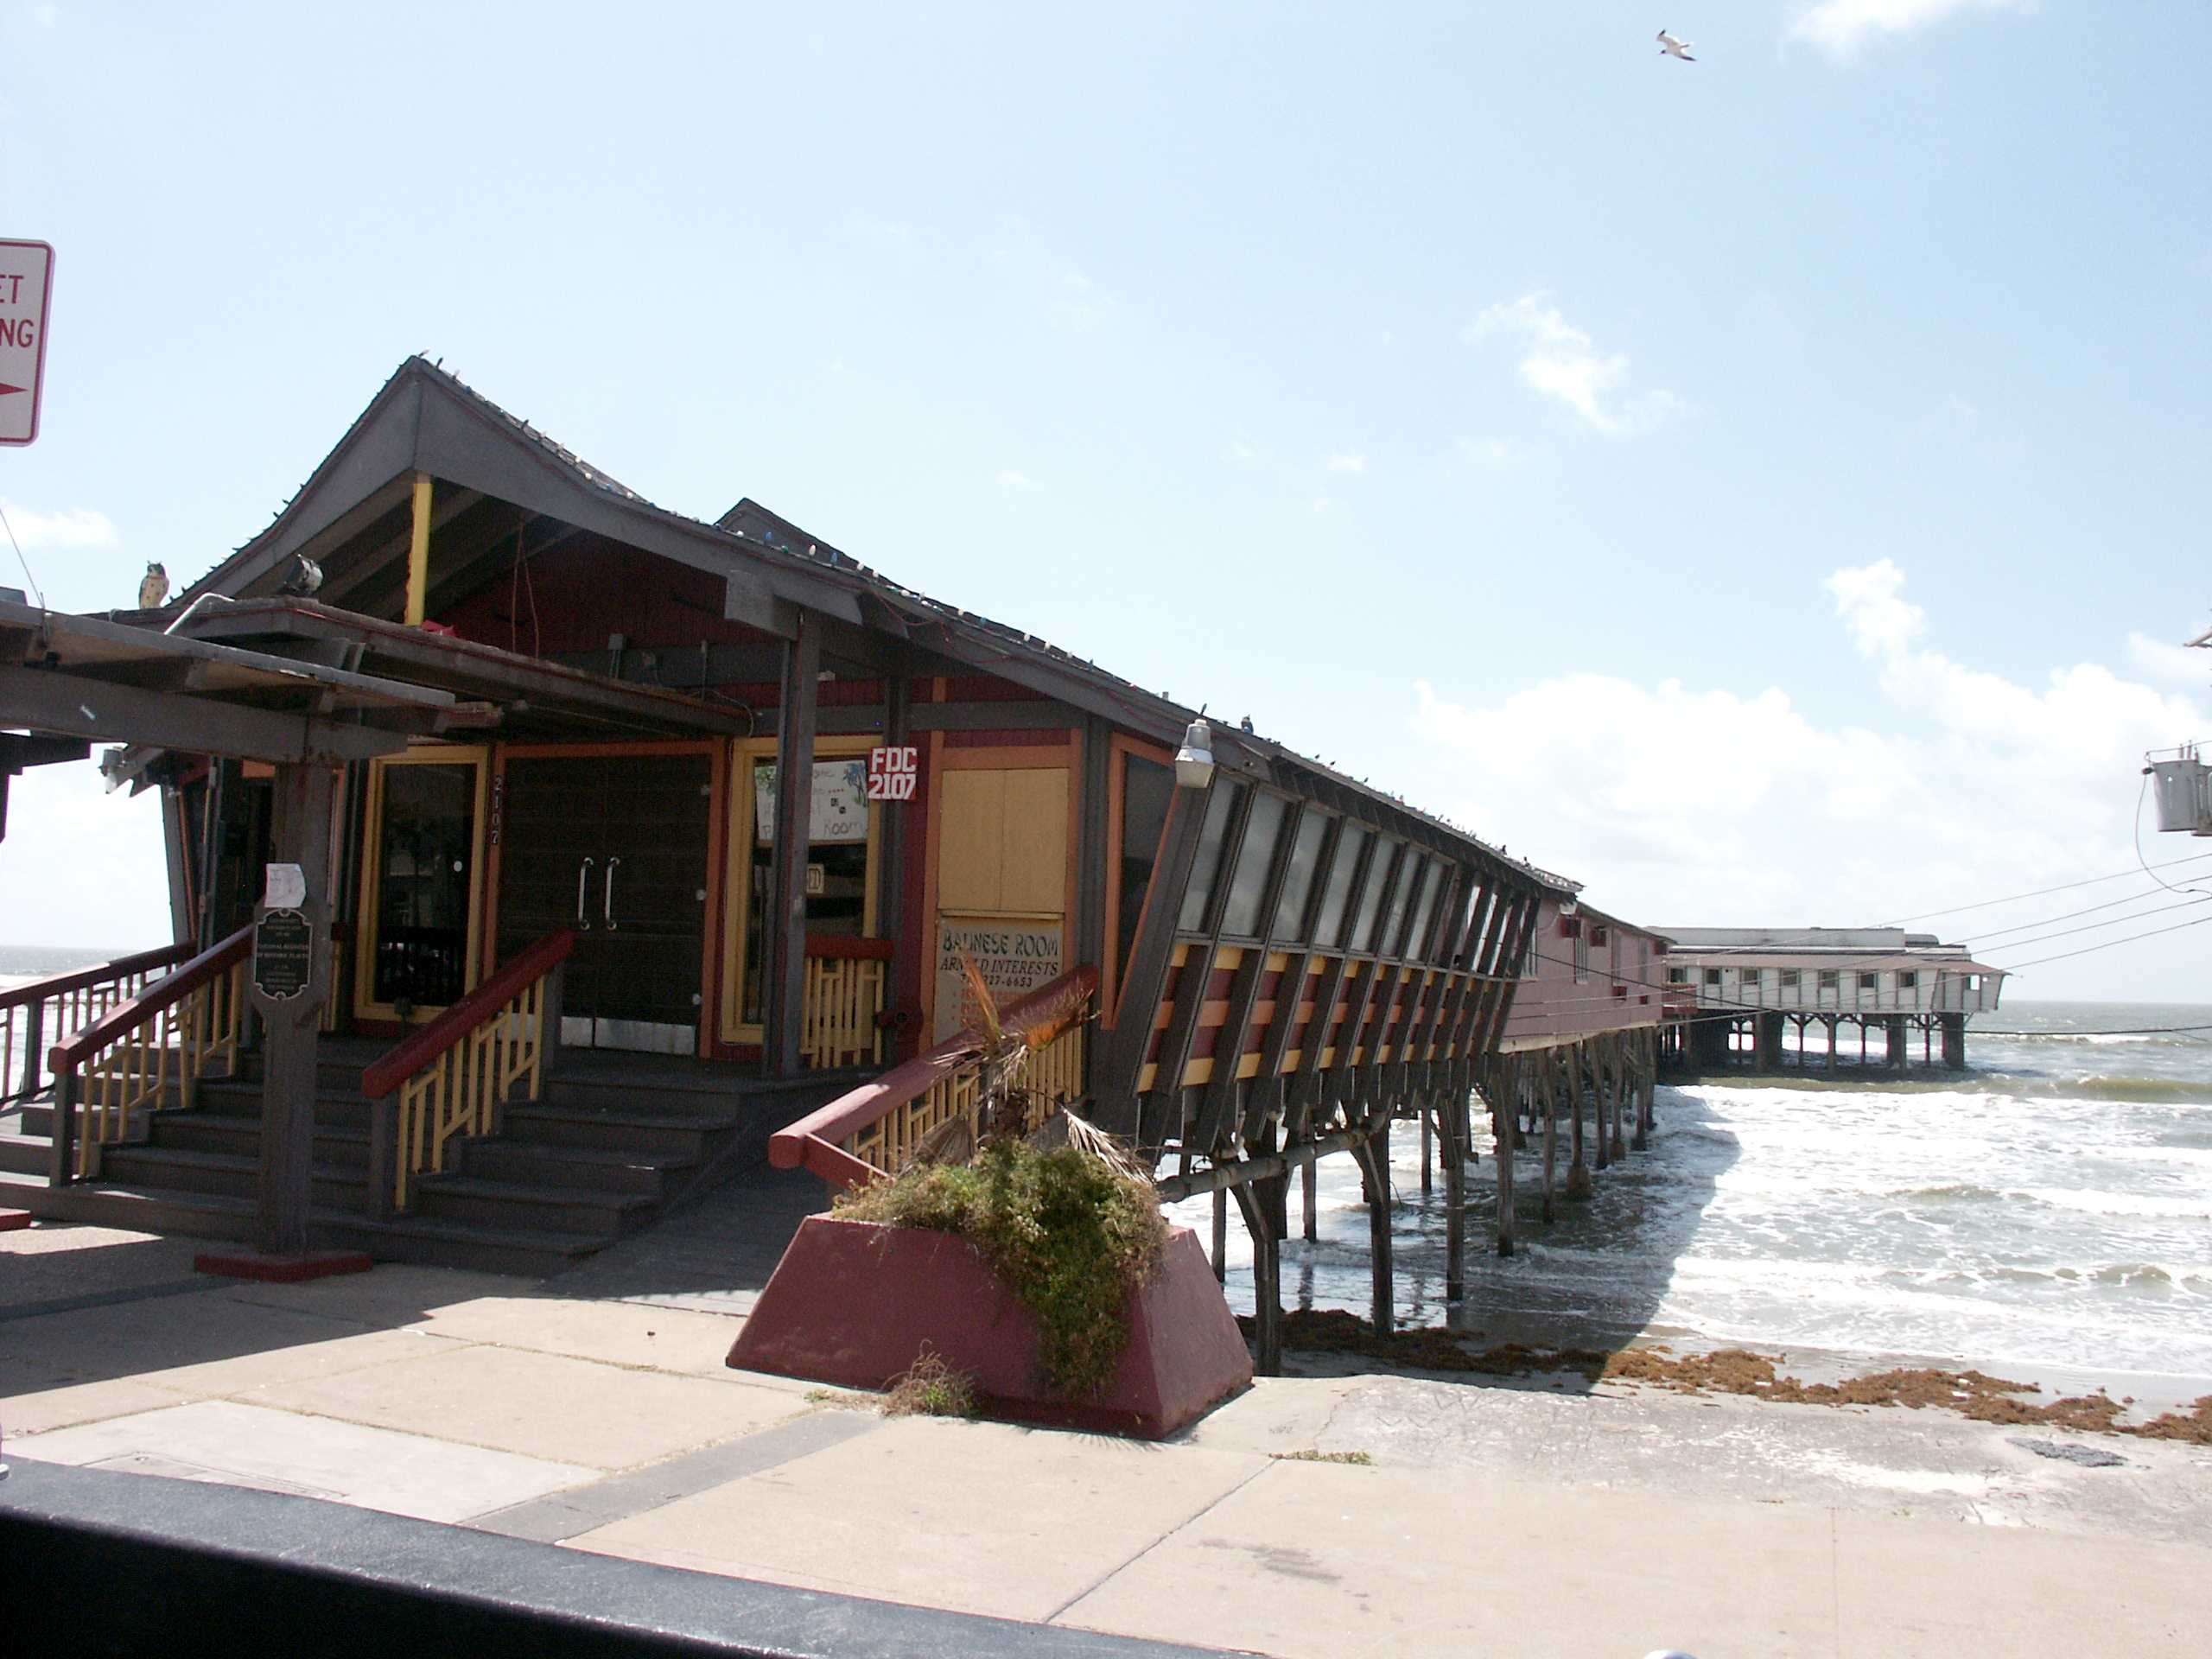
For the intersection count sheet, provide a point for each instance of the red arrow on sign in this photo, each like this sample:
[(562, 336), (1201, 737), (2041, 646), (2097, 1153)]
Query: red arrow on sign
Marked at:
[(5, 388)]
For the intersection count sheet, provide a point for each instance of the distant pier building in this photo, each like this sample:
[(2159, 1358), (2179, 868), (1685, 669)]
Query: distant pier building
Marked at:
[(1753, 984)]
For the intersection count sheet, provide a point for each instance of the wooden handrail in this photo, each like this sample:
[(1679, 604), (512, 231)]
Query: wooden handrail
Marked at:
[(78, 979), (845, 947), (163, 993), (427, 1045), (813, 1141)]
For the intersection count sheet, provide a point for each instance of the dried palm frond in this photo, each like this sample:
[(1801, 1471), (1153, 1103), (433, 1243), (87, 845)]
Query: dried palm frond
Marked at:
[(1065, 1128)]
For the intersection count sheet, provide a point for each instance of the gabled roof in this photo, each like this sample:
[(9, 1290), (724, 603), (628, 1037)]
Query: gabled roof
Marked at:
[(425, 420)]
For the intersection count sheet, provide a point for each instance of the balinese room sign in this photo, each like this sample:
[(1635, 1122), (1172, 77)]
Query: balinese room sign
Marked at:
[(26, 286), (840, 806), (1016, 954), (892, 769)]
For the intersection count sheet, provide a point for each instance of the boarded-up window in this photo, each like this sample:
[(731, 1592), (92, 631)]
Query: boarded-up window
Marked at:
[(1147, 788)]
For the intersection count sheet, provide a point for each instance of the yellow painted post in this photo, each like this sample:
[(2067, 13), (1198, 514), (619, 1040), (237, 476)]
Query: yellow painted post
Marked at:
[(418, 552)]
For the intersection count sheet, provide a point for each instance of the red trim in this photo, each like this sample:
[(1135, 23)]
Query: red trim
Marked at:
[(73, 1051), (812, 1141), (457, 1022), (77, 978), (843, 947)]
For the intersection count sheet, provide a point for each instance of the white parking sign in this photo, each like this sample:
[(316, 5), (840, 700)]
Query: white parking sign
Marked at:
[(26, 285)]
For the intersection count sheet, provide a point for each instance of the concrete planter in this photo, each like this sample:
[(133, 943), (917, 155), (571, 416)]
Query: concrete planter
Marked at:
[(853, 1303)]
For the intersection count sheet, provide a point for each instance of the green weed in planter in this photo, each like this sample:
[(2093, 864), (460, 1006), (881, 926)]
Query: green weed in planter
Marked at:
[(1069, 1234)]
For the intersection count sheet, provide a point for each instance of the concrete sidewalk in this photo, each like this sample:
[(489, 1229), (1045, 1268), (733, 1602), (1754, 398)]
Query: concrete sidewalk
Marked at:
[(1510, 1519)]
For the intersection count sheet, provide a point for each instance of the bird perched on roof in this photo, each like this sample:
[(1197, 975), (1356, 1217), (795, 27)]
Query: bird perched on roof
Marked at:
[(1675, 49), (305, 577), (153, 587)]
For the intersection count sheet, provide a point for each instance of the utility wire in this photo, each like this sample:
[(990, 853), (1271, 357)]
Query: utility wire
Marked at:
[(2152, 934), (2066, 915), (2063, 886), (2091, 927), (21, 560)]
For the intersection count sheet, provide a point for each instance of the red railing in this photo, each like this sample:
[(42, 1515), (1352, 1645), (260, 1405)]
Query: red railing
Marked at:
[(128, 1060), (65, 1002), (452, 1076), (871, 1130)]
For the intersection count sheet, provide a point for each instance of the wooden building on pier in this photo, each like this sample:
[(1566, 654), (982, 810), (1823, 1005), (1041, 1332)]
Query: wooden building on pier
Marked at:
[(581, 963), (1753, 984)]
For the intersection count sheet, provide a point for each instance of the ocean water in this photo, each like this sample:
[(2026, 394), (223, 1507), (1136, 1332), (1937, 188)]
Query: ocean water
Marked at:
[(2051, 1207)]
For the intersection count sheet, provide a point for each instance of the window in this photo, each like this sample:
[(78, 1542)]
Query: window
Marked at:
[(1827, 979), (1328, 926), (1147, 788), (1790, 979), (1870, 981), (1713, 977), (1391, 943), (1417, 945), (1908, 982), (1247, 884), (1387, 868), (1678, 976), (1221, 806), (1297, 879)]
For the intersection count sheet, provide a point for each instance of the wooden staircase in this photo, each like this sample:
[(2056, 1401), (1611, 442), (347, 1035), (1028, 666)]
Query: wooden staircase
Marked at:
[(615, 1143)]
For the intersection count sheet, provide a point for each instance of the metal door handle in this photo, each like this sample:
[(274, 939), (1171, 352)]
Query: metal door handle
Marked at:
[(583, 876), (609, 912)]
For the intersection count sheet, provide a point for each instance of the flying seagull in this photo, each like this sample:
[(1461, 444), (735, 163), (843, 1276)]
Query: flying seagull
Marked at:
[(1675, 49)]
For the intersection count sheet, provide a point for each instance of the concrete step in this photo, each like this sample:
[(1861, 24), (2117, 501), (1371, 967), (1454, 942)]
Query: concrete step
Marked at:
[(510, 1206), (339, 1148), (221, 1175), (459, 1244), (26, 1154), (138, 1210), (681, 1137), (199, 1215), (241, 1098), (589, 1168)]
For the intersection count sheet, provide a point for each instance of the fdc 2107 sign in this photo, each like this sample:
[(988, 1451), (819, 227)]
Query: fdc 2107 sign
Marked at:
[(26, 286), (892, 769)]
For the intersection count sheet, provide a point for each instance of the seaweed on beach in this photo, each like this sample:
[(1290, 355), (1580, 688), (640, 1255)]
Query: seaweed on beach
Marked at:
[(1972, 1394)]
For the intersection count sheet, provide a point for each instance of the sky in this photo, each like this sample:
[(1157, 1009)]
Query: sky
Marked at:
[(1768, 489)]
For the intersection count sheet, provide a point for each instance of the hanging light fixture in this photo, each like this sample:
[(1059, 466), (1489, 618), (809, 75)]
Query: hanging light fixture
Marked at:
[(1194, 761)]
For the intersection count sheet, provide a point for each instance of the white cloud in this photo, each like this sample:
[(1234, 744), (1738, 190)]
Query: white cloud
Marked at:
[(45, 17), (1010, 480), (1497, 454), (1718, 804), (1073, 300), (1564, 363), (1243, 454), (2168, 663), (71, 527), (1347, 460), (1840, 27)]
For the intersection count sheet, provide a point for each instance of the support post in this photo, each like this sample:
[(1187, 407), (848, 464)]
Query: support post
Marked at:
[(1597, 1053), (1427, 1183), (1501, 1115), (1954, 1040), (1617, 1092), (1266, 1278), (1452, 1142), (418, 553), (1550, 1085), (1311, 1182), (786, 932), (1374, 1155), (1894, 1041), (1220, 1235), (301, 835), (1641, 1072), (1835, 1022)]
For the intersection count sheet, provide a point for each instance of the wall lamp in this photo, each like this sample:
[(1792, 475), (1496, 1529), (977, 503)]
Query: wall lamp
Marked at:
[(1194, 761)]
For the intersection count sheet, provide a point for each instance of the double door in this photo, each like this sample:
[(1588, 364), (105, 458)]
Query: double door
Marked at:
[(613, 847)]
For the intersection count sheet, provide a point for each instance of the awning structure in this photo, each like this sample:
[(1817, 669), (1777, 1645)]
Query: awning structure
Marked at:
[(523, 697), (86, 680)]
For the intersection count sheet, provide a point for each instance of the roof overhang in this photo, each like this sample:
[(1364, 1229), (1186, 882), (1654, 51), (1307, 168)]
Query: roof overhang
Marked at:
[(89, 678)]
